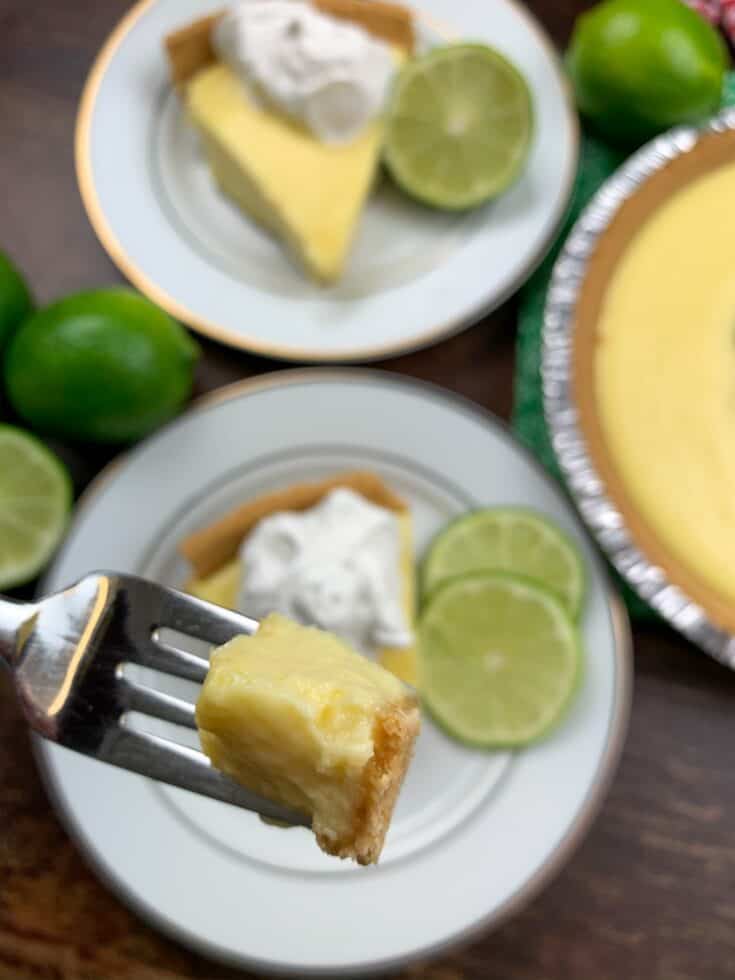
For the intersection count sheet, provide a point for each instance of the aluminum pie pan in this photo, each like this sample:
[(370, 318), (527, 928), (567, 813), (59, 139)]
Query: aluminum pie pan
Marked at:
[(579, 464)]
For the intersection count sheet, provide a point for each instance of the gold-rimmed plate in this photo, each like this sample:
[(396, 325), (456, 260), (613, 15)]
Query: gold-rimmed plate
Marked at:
[(475, 834), (415, 275)]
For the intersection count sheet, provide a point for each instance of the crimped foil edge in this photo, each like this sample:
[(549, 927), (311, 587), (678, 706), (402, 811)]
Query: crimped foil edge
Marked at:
[(584, 483)]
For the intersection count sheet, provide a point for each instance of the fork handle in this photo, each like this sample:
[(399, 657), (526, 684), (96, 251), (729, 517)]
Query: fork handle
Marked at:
[(13, 615)]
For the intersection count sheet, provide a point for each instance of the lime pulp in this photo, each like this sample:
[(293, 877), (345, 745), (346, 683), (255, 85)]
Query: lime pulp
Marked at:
[(458, 126), (508, 539), (35, 499)]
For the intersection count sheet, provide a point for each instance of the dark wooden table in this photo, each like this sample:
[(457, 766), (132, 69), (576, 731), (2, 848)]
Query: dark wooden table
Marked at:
[(651, 892)]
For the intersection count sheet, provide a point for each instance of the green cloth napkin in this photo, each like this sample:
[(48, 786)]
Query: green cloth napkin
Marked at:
[(596, 163)]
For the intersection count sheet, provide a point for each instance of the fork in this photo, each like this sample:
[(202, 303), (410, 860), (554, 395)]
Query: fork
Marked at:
[(68, 652)]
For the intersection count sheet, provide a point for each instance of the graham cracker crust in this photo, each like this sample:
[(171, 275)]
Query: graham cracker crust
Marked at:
[(394, 738), (213, 546)]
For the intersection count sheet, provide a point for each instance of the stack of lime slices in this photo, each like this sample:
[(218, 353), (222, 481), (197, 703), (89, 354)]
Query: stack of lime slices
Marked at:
[(500, 652)]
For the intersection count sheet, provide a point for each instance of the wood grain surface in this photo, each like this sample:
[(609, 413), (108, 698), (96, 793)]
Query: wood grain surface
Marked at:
[(650, 895)]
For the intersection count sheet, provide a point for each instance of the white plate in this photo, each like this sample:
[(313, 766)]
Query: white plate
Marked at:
[(415, 275), (475, 833)]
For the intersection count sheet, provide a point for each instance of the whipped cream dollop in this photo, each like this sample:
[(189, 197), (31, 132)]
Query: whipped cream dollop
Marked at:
[(335, 566), (330, 74)]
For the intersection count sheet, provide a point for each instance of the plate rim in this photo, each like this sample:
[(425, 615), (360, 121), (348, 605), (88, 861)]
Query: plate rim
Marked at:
[(291, 352), (587, 812)]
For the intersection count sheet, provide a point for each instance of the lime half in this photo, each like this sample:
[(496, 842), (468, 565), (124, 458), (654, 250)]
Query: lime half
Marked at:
[(499, 659), (35, 499), (508, 539), (458, 126)]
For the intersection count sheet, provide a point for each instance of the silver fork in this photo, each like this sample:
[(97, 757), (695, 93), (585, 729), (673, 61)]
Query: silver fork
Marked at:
[(67, 653)]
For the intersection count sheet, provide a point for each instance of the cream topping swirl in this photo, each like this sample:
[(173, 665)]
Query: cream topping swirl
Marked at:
[(335, 566), (329, 74)]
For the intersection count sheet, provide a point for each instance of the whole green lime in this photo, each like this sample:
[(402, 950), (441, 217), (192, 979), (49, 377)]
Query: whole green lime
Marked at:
[(106, 366), (15, 299), (641, 67)]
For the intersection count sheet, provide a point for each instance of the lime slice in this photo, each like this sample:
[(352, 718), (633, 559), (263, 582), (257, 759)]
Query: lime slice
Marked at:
[(458, 126), (499, 659), (35, 498), (513, 540)]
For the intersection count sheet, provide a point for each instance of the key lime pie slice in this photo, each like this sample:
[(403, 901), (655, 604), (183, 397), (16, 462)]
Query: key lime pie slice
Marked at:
[(337, 554), (287, 97), (295, 715)]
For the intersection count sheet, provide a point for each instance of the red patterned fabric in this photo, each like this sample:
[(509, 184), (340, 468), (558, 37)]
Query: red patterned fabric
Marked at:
[(719, 12), (727, 17)]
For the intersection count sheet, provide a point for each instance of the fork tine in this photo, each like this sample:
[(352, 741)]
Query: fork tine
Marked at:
[(201, 619), (158, 704), (144, 609), (167, 659), (169, 762)]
